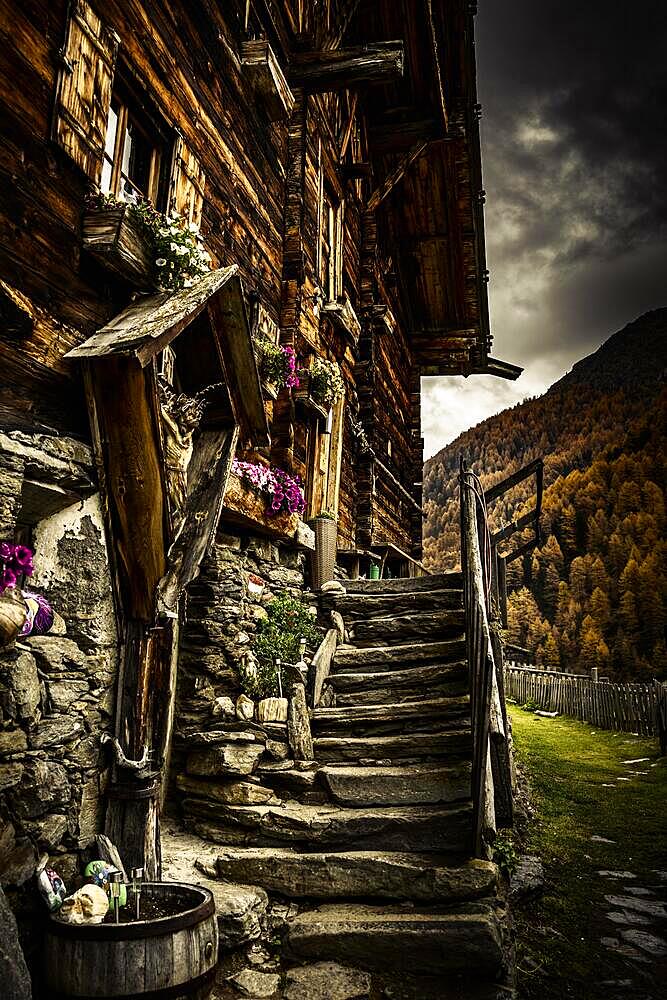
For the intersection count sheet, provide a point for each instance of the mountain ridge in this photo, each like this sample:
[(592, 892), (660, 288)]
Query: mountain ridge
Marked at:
[(600, 429)]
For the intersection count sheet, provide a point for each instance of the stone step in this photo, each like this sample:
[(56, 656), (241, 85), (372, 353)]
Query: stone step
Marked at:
[(445, 712), (380, 659), (463, 938), (419, 784), (358, 874), (444, 829), (416, 746), (398, 585), (383, 687), (399, 629), (354, 607)]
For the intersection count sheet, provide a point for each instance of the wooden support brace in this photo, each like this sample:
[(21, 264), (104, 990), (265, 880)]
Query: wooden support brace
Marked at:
[(392, 179)]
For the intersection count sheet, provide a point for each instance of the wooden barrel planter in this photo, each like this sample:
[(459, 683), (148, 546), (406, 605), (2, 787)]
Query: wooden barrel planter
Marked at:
[(163, 958)]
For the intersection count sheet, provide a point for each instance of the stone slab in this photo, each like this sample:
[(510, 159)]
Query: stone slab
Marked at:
[(359, 874), (419, 828), (411, 785), (327, 981), (464, 938)]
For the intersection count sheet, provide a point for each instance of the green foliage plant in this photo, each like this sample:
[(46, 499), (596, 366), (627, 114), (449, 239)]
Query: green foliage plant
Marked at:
[(288, 620), (326, 381), (504, 854)]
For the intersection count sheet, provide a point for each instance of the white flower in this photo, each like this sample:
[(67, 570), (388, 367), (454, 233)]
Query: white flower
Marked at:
[(193, 227), (174, 247), (205, 255), (160, 262)]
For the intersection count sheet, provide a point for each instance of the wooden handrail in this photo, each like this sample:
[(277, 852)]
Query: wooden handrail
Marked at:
[(479, 649)]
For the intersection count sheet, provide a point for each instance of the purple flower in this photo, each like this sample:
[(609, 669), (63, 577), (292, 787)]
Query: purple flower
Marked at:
[(23, 557), (8, 580)]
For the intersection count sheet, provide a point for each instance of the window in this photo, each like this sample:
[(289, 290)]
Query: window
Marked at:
[(135, 152), (330, 245)]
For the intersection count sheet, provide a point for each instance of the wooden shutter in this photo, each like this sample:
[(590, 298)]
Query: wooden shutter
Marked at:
[(83, 94), (186, 190)]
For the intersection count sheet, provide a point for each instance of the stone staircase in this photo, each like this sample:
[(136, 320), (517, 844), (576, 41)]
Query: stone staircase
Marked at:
[(374, 837)]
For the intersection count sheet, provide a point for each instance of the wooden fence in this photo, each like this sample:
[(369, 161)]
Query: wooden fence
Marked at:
[(630, 708)]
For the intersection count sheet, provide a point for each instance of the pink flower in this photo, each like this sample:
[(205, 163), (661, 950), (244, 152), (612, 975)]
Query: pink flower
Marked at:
[(23, 557), (8, 580)]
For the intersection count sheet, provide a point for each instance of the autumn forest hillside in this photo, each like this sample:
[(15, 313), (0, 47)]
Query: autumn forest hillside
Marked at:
[(595, 593)]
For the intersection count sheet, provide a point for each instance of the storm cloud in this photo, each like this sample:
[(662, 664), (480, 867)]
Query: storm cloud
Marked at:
[(574, 144)]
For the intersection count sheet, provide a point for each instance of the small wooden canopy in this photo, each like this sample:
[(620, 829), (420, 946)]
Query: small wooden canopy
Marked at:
[(223, 353)]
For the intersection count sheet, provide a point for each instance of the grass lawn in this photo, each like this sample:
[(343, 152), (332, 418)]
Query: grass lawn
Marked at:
[(568, 764)]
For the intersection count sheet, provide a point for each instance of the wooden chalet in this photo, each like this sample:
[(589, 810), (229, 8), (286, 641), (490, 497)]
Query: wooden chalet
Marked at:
[(328, 156), (332, 158)]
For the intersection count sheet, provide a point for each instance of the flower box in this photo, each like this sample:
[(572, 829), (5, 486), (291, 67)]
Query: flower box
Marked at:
[(116, 239), (343, 317), (247, 507), (304, 399), (269, 390)]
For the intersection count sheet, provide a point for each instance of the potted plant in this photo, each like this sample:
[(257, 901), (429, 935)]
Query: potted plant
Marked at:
[(277, 367), (284, 492), (142, 245), (320, 386), (326, 537)]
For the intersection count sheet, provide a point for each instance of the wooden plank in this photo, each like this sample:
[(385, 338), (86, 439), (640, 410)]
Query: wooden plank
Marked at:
[(208, 477), (237, 358), (338, 69), (321, 665), (147, 326)]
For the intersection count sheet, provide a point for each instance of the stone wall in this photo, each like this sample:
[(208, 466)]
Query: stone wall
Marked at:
[(56, 691), (222, 616)]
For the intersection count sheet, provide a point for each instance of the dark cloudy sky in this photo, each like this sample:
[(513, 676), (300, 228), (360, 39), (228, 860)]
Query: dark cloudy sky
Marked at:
[(574, 144)]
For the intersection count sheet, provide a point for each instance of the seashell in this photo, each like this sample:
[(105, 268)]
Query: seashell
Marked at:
[(88, 905), (13, 613)]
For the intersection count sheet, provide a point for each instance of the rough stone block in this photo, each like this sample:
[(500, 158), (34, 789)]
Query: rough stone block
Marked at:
[(56, 730), (44, 785), (14, 974), (12, 741)]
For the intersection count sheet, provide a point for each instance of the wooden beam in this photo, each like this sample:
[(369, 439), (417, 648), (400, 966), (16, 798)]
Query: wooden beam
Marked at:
[(394, 134), (208, 474), (263, 70), (392, 179), (517, 477), (338, 69), (435, 49)]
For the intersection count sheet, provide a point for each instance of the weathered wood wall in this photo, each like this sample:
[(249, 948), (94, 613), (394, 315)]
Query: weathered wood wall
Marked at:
[(260, 211)]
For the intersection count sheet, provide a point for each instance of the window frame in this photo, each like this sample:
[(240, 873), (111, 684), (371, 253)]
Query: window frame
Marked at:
[(331, 230), (130, 110)]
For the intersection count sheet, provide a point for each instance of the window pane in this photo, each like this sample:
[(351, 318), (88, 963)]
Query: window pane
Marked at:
[(112, 126), (136, 164), (105, 182)]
